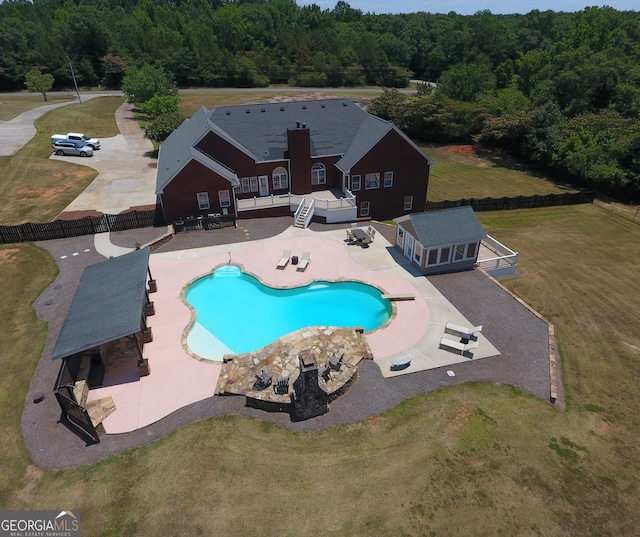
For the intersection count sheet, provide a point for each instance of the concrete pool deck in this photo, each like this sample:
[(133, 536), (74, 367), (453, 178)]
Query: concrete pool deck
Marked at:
[(177, 379)]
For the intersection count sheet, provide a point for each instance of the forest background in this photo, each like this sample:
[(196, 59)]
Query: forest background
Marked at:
[(557, 91)]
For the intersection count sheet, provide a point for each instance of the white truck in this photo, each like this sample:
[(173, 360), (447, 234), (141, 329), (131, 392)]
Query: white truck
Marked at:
[(93, 143)]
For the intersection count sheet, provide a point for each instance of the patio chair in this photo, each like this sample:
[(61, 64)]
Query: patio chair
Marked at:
[(284, 260), (263, 380), (324, 372), (302, 265), (281, 387), (335, 362)]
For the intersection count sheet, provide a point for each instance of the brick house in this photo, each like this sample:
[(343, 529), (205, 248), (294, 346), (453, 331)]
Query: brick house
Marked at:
[(326, 159)]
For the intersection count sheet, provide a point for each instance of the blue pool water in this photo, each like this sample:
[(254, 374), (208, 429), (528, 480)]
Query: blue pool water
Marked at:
[(236, 313)]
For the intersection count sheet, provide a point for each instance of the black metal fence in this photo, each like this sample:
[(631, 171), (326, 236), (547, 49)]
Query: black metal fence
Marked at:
[(89, 225), (518, 202)]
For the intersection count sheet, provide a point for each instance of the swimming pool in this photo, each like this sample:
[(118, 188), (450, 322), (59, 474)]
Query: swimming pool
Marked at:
[(235, 313)]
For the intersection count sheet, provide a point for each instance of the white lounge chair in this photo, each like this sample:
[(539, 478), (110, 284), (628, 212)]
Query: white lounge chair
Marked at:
[(458, 346), (284, 260), (302, 264), (463, 331)]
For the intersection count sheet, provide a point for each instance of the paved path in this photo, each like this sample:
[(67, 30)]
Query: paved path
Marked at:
[(16, 133), (126, 172)]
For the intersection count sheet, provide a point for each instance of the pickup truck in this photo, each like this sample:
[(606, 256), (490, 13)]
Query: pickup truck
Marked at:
[(93, 143)]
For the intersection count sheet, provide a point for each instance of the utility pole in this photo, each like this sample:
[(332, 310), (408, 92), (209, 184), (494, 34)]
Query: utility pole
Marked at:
[(74, 79)]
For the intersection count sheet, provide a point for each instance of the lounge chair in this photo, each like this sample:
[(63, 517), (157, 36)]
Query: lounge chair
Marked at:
[(302, 264), (281, 387), (463, 331), (458, 346), (263, 380), (284, 260)]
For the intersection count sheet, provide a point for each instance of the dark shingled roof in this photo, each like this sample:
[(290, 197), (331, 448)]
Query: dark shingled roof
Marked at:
[(448, 226), (338, 127), (107, 305)]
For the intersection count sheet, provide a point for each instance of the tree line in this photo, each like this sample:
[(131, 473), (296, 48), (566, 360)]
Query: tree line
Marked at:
[(558, 90)]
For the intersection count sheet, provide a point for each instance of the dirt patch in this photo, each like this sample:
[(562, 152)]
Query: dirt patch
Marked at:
[(8, 254), (469, 154), (46, 194)]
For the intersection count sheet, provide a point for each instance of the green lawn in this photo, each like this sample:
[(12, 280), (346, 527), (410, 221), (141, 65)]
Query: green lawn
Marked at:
[(11, 106), (478, 459), (460, 172), (34, 188)]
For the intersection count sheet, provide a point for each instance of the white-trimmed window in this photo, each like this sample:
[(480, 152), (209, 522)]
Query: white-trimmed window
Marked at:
[(203, 201), (471, 249), (356, 183), (408, 203), (364, 208), (432, 258), (253, 181), (225, 198), (318, 174), (417, 255), (372, 180), (459, 253), (280, 178), (445, 254), (245, 185), (388, 179)]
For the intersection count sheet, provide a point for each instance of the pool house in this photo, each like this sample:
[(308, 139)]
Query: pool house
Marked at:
[(440, 241)]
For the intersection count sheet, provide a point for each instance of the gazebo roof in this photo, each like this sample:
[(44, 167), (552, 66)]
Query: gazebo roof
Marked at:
[(107, 305)]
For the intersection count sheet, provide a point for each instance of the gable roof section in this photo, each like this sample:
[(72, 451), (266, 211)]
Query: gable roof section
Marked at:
[(107, 304), (261, 129), (175, 151), (448, 226)]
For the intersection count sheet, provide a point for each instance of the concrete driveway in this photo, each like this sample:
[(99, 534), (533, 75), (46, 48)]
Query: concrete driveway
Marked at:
[(127, 173)]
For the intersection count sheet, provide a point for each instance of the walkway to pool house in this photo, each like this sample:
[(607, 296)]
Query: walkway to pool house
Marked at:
[(178, 379)]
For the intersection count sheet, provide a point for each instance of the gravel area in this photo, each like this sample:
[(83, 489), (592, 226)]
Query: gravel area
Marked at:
[(519, 334)]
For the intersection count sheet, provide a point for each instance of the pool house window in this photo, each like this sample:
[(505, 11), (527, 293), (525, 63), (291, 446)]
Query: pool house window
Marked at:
[(280, 178), (203, 201), (356, 183), (318, 174), (225, 199), (451, 253), (388, 179), (372, 180)]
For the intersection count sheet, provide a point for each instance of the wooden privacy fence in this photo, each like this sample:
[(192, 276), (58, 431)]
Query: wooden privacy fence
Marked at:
[(518, 202), (89, 225)]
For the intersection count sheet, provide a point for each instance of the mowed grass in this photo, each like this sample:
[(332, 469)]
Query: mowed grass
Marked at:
[(476, 459), (12, 106), (460, 172), (34, 188), (473, 460)]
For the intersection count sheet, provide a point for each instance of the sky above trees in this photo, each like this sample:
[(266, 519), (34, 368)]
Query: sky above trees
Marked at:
[(469, 7)]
